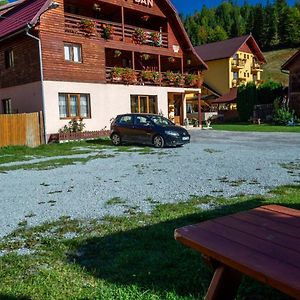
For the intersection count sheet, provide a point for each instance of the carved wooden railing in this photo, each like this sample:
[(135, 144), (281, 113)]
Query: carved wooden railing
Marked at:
[(73, 26)]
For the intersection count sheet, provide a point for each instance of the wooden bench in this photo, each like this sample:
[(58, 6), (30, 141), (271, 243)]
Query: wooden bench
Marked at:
[(263, 243)]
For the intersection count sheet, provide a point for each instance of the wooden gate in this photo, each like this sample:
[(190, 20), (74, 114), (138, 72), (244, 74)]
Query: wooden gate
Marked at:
[(21, 129)]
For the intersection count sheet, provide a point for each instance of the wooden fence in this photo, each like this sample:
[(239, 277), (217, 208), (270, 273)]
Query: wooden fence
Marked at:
[(21, 129)]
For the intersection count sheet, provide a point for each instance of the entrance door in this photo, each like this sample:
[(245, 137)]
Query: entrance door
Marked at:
[(178, 109)]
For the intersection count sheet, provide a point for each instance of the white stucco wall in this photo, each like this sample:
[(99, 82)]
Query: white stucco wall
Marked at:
[(107, 100), (24, 98)]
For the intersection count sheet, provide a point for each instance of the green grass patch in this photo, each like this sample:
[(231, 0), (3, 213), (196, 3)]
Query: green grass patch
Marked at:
[(255, 127), (275, 59), (132, 257)]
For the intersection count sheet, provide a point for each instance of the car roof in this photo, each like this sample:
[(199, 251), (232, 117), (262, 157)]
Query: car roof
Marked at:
[(138, 114)]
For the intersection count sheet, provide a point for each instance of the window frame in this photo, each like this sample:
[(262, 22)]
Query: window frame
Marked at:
[(78, 114), (147, 103), (71, 47), (9, 59)]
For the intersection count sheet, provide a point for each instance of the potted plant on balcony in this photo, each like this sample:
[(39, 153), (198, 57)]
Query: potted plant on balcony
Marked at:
[(145, 56), (171, 77), (116, 73), (152, 76), (193, 80), (129, 76), (139, 36), (156, 38), (179, 79), (171, 59), (88, 26), (117, 53), (107, 31)]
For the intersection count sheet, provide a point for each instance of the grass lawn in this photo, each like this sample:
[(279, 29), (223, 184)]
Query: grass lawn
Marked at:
[(275, 59), (130, 257), (255, 127)]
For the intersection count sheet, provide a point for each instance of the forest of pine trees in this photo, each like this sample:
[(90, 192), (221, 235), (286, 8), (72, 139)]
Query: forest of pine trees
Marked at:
[(274, 25)]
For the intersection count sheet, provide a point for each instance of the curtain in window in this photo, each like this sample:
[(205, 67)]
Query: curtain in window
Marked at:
[(76, 53), (67, 52), (73, 106), (134, 104), (63, 106), (84, 106), (152, 105)]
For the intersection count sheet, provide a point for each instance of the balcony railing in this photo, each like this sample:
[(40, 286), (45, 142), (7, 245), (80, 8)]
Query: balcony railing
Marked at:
[(73, 25), (137, 77), (238, 81), (238, 63), (256, 67)]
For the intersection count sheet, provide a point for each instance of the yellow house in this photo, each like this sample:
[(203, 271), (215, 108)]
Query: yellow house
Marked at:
[(231, 63)]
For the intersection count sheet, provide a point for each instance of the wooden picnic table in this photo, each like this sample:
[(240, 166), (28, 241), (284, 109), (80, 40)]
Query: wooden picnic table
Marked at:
[(263, 243)]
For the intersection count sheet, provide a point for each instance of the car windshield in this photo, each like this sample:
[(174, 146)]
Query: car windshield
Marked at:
[(158, 120)]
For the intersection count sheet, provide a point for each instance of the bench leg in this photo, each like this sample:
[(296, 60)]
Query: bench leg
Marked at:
[(224, 284)]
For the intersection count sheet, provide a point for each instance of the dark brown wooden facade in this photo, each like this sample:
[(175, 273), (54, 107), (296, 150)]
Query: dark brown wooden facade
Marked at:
[(63, 25), (293, 66)]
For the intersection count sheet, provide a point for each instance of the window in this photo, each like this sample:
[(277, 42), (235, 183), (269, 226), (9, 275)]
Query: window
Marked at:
[(73, 52), (9, 59), (126, 120), (7, 108), (74, 105), (235, 75), (143, 104)]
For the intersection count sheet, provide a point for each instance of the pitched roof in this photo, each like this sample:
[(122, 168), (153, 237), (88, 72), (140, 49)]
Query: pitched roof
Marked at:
[(25, 12), (227, 98), (227, 48), (286, 66)]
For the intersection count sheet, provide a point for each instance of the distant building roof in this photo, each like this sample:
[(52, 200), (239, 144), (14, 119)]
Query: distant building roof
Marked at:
[(227, 98), (20, 15), (286, 66), (227, 48)]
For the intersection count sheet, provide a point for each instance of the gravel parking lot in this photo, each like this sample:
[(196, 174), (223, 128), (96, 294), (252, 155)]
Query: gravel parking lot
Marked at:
[(215, 163)]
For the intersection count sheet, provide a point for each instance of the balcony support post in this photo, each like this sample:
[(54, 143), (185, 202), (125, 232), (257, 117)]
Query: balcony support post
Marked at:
[(159, 68), (123, 23), (133, 60), (199, 111), (181, 60)]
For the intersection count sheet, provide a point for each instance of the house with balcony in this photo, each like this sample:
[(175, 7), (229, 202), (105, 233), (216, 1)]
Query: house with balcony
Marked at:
[(292, 66), (231, 63), (95, 59)]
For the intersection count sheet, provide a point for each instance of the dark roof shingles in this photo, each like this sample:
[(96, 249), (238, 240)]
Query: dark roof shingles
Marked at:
[(21, 15)]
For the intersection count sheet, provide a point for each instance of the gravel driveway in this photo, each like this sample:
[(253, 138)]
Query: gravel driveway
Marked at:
[(215, 163)]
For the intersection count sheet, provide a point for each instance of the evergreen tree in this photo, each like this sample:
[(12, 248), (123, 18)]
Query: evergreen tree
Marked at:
[(271, 23), (258, 30)]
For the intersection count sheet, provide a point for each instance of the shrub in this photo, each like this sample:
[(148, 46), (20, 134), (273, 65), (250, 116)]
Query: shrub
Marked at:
[(246, 99), (74, 125), (283, 114)]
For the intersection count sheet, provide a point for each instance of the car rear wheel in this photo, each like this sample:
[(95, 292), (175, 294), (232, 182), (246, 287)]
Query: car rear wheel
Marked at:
[(116, 139), (158, 141)]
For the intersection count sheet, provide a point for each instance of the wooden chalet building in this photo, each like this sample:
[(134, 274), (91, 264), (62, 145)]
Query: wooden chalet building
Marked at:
[(292, 65), (96, 59)]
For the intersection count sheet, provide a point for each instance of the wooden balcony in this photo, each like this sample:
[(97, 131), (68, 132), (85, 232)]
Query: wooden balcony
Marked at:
[(137, 77), (256, 67), (238, 81), (73, 25), (238, 63)]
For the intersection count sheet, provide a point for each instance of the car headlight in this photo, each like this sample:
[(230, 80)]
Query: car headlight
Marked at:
[(173, 133)]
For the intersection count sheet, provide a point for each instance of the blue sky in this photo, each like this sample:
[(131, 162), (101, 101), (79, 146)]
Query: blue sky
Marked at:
[(189, 6)]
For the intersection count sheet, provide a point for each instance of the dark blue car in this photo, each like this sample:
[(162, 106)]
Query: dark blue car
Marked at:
[(147, 129)]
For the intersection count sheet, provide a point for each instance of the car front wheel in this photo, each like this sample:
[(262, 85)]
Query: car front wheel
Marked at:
[(116, 139), (158, 141)]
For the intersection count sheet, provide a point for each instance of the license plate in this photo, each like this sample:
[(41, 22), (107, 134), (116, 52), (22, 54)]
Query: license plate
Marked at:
[(185, 138)]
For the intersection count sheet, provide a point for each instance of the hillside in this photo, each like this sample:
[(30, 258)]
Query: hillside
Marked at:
[(275, 59)]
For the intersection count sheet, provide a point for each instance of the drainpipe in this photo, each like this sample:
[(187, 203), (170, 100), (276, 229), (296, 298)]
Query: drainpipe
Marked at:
[(42, 77)]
